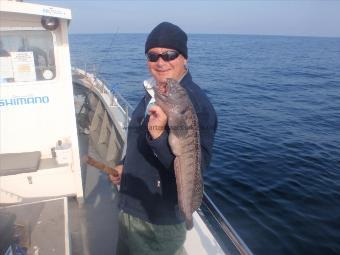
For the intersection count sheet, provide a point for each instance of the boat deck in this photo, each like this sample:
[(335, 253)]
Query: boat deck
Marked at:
[(93, 225)]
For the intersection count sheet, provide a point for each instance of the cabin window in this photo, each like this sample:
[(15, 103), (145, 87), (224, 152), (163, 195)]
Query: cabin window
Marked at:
[(26, 56)]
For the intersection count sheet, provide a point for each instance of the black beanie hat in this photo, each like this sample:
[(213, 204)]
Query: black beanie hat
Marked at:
[(167, 35)]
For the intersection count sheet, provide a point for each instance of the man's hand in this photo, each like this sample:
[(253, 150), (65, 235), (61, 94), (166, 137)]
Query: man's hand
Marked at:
[(115, 179), (157, 121)]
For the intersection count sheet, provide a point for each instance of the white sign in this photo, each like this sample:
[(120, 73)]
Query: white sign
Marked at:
[(23, 66)]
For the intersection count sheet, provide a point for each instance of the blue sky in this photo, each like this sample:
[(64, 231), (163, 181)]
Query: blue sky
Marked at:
[(267, 17)]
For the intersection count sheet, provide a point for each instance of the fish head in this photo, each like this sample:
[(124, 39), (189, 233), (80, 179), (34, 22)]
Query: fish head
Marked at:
[(171, 96)]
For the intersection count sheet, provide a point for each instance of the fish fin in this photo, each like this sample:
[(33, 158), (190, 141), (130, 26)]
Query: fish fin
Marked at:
[(188, 217), (179, 183), (198, 192)]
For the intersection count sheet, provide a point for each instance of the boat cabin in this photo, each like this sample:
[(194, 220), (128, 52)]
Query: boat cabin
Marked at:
[(39, 155)]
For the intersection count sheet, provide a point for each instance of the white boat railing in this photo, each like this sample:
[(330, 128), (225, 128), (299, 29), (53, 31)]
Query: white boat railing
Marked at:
[(114, 97), (230, 242)]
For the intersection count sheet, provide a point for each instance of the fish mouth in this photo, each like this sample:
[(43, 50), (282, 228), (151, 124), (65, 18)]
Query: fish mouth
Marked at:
[(162, 89)]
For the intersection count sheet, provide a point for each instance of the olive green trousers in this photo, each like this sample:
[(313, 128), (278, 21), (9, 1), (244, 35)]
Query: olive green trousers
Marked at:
[(140, 237)]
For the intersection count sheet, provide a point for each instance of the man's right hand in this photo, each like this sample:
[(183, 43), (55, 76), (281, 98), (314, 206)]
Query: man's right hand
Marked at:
[(157, 121), (115, 179)]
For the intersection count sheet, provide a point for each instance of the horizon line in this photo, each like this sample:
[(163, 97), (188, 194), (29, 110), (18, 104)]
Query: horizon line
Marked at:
[(201, 33)]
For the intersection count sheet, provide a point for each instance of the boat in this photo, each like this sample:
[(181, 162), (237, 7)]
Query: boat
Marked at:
[(51, 116)]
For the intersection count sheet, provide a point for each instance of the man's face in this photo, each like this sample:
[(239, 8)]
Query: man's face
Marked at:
[(161, 69)]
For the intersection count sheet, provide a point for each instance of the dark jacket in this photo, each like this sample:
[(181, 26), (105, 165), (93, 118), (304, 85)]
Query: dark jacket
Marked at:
[(148, 186)]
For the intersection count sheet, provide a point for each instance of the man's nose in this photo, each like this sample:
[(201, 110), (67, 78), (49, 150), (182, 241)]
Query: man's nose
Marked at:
[(160, 61)]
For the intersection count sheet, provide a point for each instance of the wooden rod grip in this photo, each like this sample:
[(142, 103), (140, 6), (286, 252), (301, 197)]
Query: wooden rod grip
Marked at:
[(106, 169)]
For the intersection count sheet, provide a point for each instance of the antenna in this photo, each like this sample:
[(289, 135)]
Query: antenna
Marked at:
[(114, 36)]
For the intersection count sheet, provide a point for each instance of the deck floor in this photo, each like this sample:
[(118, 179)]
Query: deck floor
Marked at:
[(93, 225)]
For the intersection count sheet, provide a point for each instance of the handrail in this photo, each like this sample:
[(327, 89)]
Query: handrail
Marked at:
[(225, 226), (118, 95), (102, 86)]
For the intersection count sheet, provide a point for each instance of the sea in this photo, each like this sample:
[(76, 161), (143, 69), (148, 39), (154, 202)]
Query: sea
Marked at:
[(275, 171)]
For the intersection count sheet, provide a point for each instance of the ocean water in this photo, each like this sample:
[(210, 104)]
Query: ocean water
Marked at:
[(275, 172)]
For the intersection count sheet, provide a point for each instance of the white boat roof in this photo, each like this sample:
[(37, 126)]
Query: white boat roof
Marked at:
[(34, 9)]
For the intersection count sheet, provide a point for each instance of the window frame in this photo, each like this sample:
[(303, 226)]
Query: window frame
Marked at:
[(54, 44)]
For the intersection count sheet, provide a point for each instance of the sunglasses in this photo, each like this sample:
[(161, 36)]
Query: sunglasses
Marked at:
[(166, 56)]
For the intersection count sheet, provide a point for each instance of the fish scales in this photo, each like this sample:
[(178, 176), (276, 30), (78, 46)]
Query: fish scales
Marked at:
[(184, 140)]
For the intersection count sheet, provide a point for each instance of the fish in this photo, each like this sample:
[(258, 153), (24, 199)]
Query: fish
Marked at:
[(184, 141)]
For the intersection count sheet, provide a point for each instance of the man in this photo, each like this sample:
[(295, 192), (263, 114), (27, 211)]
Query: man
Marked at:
[(150, 221)]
